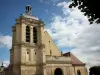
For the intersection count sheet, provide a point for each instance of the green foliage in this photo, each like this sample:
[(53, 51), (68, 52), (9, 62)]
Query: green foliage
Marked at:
[(90, 8), (95, 70)]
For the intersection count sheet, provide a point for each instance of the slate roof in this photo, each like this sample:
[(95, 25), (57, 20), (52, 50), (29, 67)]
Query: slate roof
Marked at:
[(74, 59)]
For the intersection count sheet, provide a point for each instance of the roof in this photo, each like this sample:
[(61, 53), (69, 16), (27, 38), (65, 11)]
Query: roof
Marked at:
[(29, 16), (74, 59), (8, 68)]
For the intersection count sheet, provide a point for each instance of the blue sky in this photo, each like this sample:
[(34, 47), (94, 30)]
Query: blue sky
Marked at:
[(69, 28), (11, 9)]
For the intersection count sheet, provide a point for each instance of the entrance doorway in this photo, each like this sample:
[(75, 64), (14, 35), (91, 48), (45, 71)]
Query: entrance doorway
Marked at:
[(58, 71)]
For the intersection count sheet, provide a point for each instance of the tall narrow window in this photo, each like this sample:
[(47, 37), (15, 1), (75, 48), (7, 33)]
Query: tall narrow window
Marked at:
[(34, 35), (50, 52), (28, 56), (78, 72), (27, 34)]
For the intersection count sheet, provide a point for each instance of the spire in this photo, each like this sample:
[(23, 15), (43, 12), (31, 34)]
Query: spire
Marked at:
[(2, 65), (28, 13), (28, 10)]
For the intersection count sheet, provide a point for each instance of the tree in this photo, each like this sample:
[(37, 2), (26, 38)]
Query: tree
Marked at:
[(95, 70), (90, 8)]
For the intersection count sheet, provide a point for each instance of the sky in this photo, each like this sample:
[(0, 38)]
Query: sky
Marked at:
[(69, 28)]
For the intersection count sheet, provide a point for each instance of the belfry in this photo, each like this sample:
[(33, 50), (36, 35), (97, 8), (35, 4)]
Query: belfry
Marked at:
[(33, 51)]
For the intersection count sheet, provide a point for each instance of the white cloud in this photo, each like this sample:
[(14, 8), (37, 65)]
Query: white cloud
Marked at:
[(73, 30), (5, 41), (6, 63)]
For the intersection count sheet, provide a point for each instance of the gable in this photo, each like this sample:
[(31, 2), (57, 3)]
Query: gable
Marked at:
[(49, 45)]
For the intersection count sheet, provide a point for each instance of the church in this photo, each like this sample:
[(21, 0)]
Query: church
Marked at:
[(33, 51)]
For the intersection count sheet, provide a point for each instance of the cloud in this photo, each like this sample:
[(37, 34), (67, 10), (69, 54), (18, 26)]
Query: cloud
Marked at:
[(5, 41), (73, 30), (88, 45), (6, 63)]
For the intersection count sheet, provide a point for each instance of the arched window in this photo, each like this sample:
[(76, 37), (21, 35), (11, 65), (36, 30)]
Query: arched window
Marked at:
[(34, 35), (27, 34), (78, 72)]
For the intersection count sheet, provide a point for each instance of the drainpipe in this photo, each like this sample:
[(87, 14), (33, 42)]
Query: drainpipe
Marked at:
[(74, 70)]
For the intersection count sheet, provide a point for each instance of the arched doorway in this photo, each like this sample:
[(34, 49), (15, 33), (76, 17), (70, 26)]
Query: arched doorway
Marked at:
[(58, 71), (78, 72)]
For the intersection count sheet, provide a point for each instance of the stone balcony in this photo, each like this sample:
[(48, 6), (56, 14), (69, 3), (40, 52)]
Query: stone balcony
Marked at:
[(58, 59)]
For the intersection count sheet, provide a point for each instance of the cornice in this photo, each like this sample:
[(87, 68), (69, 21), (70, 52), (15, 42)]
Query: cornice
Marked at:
[(32, 45), (29, 21), (60, 62), (25, 44)]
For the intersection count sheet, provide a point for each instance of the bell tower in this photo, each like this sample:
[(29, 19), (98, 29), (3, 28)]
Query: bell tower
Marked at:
[(28, 10), (27, 55)]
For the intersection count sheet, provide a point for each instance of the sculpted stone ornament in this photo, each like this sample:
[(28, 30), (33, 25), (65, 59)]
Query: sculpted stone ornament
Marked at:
[(13, 28), (18, 21)]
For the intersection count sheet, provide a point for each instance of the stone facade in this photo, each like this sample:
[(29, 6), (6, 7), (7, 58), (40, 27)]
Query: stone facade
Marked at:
[(33, 51)]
